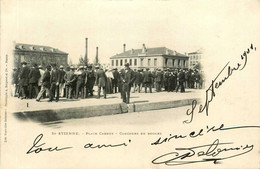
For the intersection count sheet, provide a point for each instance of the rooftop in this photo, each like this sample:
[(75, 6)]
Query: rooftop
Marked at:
[(37, 48), (149, 51)]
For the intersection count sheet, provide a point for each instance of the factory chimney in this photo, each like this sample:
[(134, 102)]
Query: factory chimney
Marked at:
[(96, 60), (86, 54), (124, 48)]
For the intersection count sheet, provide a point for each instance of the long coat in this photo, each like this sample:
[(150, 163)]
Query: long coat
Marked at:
[(101, 78), (55, 76), (127, 76), (24, 76), (147, 77), (46, 79), (34, 75), (159, 76), (138, 78)]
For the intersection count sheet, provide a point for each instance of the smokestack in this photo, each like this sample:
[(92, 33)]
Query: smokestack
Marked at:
[(96, 55), (144, 49), (124, 48), (86, 54)]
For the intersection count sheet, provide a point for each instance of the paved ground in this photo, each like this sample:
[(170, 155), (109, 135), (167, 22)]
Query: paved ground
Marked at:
[(31, 104)]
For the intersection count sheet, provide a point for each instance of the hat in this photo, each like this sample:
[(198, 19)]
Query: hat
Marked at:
[(81, 67), (90, 67), (15, 68), (127, 65), (23, 63), (61, 67), (40, 66), (96, 67)]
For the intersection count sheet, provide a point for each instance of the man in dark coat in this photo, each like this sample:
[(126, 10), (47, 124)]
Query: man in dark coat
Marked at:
[(158, 80), (127, 79), (165, 79), (147, 80), (55, 81), (181, 80), (34, 76), (138, 81), (101, 80), (45, 84), (15, 82), (69, 78), (81, 75), (90, 80), (115, 80), (24, 80), (62, 81)]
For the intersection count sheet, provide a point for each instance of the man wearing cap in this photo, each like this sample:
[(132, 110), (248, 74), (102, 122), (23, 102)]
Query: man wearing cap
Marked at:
[(55, 81), (127, 79), (24, 80), (34, 76), (101, 80), (62, 81)]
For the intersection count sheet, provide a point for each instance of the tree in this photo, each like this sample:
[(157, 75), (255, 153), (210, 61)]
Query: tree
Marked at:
[(198, 66), (82, 61)]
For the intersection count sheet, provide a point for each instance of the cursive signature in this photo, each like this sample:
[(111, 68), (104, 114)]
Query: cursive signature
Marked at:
[(199, 133), (216, 83), (37, 147), (214, 152)]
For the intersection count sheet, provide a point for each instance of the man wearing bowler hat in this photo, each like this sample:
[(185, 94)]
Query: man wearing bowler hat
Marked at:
[(24, 80), (127, 79)]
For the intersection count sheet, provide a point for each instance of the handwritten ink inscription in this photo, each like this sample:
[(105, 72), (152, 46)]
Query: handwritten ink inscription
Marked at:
[(217, 83)]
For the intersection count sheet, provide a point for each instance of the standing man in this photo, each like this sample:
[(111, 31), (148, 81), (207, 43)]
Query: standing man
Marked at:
[(181, 79), (158, 80), (15, 81), (62, 81), (80, 82), (147, 80), (127, 79), (34, 76), (55, 81), (115, 80), (24, 80), (69, 78), (45, 84), (138, 81), (101, 80)]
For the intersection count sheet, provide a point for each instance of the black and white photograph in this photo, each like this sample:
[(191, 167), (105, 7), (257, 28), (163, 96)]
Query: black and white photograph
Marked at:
[(130, 84)]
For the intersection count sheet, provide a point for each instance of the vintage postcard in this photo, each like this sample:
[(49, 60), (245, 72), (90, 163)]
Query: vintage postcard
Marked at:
[(130, 84)]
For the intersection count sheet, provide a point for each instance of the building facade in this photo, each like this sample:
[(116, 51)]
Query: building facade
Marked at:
[(195, 58), (41, 55), (152, 58)]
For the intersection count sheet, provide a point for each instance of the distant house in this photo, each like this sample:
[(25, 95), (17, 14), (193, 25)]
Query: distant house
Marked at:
[(195, 58), (158, 57), (41, 55)]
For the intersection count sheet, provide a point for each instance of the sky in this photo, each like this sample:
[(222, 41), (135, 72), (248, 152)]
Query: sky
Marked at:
[(184, 26)]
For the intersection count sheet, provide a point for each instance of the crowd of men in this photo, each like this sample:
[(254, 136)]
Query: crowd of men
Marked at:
[(55, 81)]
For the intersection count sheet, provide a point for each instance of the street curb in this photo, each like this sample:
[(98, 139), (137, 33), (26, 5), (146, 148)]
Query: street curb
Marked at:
[(49, 115)]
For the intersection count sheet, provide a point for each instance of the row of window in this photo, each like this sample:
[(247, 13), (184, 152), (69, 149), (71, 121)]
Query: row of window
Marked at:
[(167, 62), (120, 62)]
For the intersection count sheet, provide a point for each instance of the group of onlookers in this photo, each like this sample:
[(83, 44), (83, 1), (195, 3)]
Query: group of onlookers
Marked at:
[(55, 81)]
